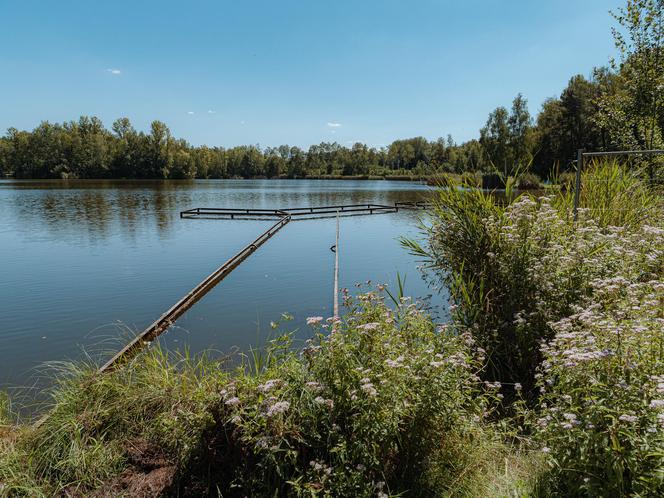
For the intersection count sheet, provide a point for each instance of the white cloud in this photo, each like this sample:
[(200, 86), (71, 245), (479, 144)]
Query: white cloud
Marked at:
[(190, 112), (334, 125), (242, 122), (114, 71), (210, 111)]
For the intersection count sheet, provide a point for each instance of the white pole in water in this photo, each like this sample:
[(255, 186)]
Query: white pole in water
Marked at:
[(336, 271)]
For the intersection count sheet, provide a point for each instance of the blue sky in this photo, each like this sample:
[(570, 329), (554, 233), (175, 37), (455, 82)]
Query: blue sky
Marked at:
[(298, 72)]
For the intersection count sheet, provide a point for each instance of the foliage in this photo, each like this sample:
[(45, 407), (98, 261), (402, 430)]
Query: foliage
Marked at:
[(639, 98), (613, 195), (85, 149), (381, 402), (529, 181), (601, 414), (570, 312), (507, 138)]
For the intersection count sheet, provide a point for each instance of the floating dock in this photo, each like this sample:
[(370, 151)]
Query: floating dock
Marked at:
[(302, 213)]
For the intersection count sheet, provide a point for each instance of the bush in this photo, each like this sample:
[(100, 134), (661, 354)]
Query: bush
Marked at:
[(573, 311), (601, 413), (379, 402)]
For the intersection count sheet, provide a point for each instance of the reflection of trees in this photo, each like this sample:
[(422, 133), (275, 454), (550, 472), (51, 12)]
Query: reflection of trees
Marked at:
[(97, 210)]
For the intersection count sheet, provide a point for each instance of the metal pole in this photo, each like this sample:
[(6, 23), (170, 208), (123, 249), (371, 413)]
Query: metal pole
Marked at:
[(577, 186), (336, 271)]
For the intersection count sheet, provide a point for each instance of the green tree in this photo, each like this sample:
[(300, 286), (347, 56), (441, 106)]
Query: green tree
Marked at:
[(160, 158), (508, 137), (634, 113)]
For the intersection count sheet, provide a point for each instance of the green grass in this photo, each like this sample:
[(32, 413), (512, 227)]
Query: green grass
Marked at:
[(613, 195), (384, 403), (570, 311)]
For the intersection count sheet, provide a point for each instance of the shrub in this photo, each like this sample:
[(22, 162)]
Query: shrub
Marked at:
[(362, 412), (601, 413), (380, 402), (514, 270), (573, 310)]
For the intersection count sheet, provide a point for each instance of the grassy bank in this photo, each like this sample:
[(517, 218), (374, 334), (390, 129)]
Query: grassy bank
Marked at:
[(548, 382), (378, 403)]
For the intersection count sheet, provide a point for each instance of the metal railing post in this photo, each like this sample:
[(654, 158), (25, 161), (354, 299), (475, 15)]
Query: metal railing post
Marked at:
[(577, 185)]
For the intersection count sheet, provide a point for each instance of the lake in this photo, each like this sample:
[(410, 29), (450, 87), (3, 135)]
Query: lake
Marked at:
[(87, 263)]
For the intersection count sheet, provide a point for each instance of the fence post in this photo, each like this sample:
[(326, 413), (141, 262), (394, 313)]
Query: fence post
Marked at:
[(577, 183)]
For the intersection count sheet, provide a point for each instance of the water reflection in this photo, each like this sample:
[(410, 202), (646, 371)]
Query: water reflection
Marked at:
[(71, 208), (80, 256)]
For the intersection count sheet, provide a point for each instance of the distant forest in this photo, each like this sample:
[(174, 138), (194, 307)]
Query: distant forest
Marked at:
[(616, 108)]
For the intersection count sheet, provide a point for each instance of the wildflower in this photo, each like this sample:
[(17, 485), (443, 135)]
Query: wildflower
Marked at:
[(369, 326), (314, 320), (277, 408), (517, 387), (233, 401), (628, 418), (322, 401), (657, 403), (546, 449), (269, 385), (369, 389)]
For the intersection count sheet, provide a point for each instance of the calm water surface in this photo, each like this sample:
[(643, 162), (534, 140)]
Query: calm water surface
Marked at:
[(79, 258)]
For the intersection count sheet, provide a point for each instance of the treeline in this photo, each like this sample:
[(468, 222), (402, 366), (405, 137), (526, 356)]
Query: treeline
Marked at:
[(617, 108), (86, 149)]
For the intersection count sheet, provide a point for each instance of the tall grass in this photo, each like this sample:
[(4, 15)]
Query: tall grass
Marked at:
[(569, 311), (613, 195), (380, 403)]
